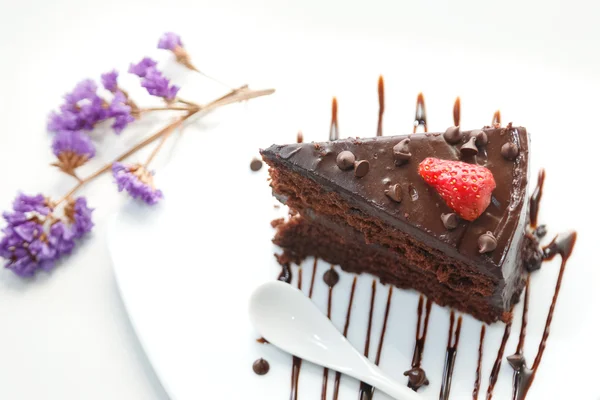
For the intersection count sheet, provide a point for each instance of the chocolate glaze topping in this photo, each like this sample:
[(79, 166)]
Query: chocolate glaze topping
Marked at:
[(536, 197)]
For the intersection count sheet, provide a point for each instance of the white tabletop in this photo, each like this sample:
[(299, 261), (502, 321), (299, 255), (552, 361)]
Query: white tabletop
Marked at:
[(66, 335)]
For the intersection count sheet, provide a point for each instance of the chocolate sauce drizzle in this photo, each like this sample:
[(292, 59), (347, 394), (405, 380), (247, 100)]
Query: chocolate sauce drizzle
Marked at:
[(381, 97), (330, 283), (420, 115), (416, 375), (296, 361), (496, 119), (536, 197), (338, 375), (366, 391), (523, 376), (451, 351), (496, 368), (334, 130), (479, 358), (456, 112)]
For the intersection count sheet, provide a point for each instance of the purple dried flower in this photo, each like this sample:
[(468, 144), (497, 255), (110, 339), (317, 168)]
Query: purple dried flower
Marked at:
[(80, 216), (73, 143), (73, 149), (140, 69), (83, 109), (35, 239), (137, 181), (109, 81), (120, 110), (158, 85), (169, 41)]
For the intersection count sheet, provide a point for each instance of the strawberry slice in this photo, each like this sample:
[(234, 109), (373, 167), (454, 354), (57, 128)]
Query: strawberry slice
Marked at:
[(466, 188)]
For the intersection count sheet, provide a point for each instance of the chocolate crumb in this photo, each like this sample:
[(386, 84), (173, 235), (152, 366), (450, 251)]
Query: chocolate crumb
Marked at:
[(487, 242), (402, 152), (416, 378), (469, 148), (345, 160), (394, 192), (256, 164), (361, 168), (450, 220), (453, 135), (276, 222), (509, 150), (261, 366), (331, 277), (276, 206)]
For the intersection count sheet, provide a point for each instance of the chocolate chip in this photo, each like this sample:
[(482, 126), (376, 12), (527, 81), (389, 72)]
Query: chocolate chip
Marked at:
[(469, 148), (516, 361), (402, 152), (487, 242), (394, 192), (540, 231), (450, 220), (331, 277), (453, 135), (361, 168), (416, 378), (256, 164), (261, 366), (481, 138), (510, 151), (345, 160)]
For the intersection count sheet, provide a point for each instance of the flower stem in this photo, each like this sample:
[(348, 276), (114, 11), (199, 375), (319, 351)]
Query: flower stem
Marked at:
[(172, 108), (236, 95), (165, 136)]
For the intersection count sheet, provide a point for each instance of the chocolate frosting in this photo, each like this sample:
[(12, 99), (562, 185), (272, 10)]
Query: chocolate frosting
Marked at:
[(419, 215)]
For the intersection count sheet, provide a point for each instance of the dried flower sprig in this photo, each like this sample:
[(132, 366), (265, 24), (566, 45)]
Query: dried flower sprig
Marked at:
[(39, 230)]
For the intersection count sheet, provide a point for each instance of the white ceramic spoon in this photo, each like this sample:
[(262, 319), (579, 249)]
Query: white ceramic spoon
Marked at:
[(288, 319)]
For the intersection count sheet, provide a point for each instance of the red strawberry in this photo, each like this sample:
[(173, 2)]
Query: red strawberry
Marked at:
[(466, 188)]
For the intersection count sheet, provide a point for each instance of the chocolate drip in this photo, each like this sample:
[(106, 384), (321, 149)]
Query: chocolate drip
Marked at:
[(456, 112), (479, 358), (366, 391), (451, 351), (497, 120), (296, 361), (331, 282), (338, 375), (536, 197), (523, 377), (262, 340), (286, 273), (380, 92), (498, 362), (416, 375), (334, 130), (420, 115), (312, 278)]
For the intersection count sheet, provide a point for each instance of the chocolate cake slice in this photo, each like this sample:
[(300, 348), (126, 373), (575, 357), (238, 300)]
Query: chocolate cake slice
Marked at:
[(368, 205)]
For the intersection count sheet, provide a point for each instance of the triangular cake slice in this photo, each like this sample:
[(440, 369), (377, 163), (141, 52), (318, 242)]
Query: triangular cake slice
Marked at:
[(369, 210)]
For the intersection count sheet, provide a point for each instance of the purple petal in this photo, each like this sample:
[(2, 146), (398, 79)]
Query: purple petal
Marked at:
[(169, 41)]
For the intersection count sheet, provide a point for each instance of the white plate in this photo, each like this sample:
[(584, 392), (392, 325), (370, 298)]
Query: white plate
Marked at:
[(187, 266)]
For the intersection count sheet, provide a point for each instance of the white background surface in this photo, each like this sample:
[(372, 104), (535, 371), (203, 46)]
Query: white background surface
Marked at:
[(66, 336)]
